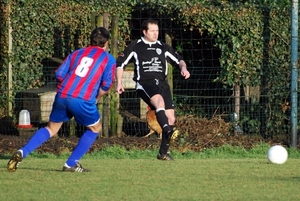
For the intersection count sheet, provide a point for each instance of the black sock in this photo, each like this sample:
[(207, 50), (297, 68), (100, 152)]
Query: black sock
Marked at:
[(164, 146), (164, 123), (163, 120)]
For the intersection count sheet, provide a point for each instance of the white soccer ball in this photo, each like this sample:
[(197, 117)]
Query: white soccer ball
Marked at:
[(277, 154)]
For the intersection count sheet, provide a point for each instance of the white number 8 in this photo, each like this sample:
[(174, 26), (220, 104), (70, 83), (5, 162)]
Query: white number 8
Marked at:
[(84, 66)]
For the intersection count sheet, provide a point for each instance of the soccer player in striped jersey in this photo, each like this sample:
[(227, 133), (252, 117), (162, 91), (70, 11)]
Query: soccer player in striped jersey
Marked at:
[(83, 78), (151, 58)]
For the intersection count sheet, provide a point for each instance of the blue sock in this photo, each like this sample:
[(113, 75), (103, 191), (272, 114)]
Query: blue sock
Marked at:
[(38, 138), (85, 142)]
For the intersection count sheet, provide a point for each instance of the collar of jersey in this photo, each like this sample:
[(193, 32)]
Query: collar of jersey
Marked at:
[(147, 42)]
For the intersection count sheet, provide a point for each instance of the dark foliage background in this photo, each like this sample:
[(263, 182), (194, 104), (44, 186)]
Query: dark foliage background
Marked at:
[(226, 44)]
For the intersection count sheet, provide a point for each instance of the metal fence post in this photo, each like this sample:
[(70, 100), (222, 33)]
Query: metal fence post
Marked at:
[(294, 72)]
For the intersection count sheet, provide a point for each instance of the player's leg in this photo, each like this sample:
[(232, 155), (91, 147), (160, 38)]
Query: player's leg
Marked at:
[(170, 114), (87, 115), (151, 95), (57, 116), (169, 105), (41, 136), (160, 112), (38, 138)]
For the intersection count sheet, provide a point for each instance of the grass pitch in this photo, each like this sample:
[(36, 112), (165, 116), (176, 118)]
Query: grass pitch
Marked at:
[(146, 179)]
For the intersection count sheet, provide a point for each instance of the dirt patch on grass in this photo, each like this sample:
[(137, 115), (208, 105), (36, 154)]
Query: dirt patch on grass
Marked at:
[(192, 133)]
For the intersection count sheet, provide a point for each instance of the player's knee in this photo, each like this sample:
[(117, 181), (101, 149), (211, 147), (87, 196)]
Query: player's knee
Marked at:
[(96, 128), (157, 101), (53, 128)]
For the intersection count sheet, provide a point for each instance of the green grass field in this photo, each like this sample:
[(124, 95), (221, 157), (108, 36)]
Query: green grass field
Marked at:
[(220, 174)]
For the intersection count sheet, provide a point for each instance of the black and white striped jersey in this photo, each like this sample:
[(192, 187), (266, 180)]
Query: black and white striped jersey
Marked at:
[(150, 59)]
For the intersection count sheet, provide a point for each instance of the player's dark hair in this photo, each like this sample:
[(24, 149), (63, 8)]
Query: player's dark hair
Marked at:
[(145, 24), (99, 37)]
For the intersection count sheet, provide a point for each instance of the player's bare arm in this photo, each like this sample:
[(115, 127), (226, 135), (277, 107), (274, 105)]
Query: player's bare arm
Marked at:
[(119, 74), (184, 72)]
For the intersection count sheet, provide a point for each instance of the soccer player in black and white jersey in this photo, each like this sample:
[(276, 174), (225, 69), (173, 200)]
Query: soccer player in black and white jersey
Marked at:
[(151, 58)]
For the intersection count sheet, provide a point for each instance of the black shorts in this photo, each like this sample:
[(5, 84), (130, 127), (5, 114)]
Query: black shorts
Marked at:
[(149, 88)]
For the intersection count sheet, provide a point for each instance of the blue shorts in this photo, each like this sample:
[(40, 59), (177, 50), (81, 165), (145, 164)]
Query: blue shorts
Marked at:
[(84, 112)]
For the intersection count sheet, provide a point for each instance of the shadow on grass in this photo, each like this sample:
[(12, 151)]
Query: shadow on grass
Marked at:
[(4, 160), (3, 169)]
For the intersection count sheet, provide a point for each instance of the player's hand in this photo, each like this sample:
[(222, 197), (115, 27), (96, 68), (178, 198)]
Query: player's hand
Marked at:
[(120, 88), (185, 73)]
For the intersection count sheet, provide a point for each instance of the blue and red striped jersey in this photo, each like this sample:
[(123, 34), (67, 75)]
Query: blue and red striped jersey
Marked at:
[(84, 72)]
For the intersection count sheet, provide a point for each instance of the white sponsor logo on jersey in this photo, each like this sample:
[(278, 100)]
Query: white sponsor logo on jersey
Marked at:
[(158, 51)]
